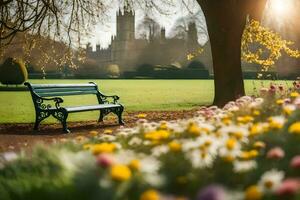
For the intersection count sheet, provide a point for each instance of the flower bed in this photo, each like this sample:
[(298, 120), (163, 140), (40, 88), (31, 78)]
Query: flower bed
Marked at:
[(247, 150)]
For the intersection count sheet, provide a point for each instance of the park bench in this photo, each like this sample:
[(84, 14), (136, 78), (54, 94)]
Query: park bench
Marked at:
[(47, 101)]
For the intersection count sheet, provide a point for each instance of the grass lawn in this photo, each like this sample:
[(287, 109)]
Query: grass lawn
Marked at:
[(136, 95)]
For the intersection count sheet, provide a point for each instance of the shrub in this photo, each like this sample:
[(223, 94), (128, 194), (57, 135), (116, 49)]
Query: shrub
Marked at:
[(145, 70), (196, 65), (13, 71), (113, 71)]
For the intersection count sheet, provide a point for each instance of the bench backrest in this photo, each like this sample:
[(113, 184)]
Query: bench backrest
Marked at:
[(56, 90)]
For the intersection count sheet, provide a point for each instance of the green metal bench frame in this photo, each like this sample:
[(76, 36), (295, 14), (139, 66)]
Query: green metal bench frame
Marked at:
[(43, 94)]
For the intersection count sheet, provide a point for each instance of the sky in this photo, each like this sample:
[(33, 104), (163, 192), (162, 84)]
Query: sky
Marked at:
[(174, 15)]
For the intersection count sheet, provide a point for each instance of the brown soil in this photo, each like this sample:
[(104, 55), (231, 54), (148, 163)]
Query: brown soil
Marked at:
[(14, 137)]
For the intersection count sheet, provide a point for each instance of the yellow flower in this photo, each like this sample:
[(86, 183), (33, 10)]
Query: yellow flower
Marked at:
[(93, 133), (295, 128), (259, 145), (157, 135), (150, 195), (141, 115), (163, 126), (294, 94), (103, 148), (231, 143), (226, 121), (108, 131), (288, 110), (253, 193), (175, 146), (245, 119), (275, 124), (193, 129), (256, 112), (247, 155), (135, 165), (280, 101), (120, 173)]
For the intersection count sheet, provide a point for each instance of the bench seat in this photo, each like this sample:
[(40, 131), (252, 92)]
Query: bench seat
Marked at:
[(90, 107)]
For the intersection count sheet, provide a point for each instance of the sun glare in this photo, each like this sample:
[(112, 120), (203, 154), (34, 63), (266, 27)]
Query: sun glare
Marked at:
[(280, 7)]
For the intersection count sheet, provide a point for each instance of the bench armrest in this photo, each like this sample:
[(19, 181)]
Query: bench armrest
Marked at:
[(57, 100), (114, 97)]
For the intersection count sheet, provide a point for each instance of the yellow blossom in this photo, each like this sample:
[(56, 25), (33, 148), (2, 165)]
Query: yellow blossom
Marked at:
[(273, 124), (253, 193), (245, 119), (163, 126), (280, 101), (295, 128), (108, 131), (135, 165), (256, 112), (294, 94), (231, 143), (259, 145), (288, 110), (174, 146), (120, 173), (157, 135), (150, 195), (193, 129), (256, 129), (226, 121), (141, 115), (93, 133), (102, 148)]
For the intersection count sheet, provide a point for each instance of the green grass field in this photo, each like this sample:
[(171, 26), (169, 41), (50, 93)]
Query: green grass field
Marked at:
[(136, 95)]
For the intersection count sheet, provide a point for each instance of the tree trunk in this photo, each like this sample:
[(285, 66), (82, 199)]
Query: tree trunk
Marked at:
[(226, 21)]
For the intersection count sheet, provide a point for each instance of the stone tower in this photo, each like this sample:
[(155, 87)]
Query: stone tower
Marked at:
[(125, 37), (192, 37), (126, 24)]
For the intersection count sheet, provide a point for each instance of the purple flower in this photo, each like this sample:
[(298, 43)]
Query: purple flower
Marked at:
[(212, 192)]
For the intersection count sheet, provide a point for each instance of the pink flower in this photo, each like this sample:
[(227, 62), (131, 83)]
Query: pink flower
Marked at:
[(104, 160), (272, 90), (295, 163), (287, 100), (288, 187), (275, 153)]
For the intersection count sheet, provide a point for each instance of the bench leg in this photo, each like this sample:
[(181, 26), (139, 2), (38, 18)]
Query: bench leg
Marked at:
[(101, 116), (39, 117), (62, 117), (119, 113)]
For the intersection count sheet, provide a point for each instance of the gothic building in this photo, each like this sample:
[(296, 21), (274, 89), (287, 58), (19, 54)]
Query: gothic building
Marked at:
[(128, 52)]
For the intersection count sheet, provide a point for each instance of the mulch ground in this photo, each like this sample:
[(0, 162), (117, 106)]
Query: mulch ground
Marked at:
[(14, 137)]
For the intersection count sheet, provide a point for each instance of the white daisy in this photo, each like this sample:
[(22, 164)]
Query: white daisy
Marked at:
[(271, 180)]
